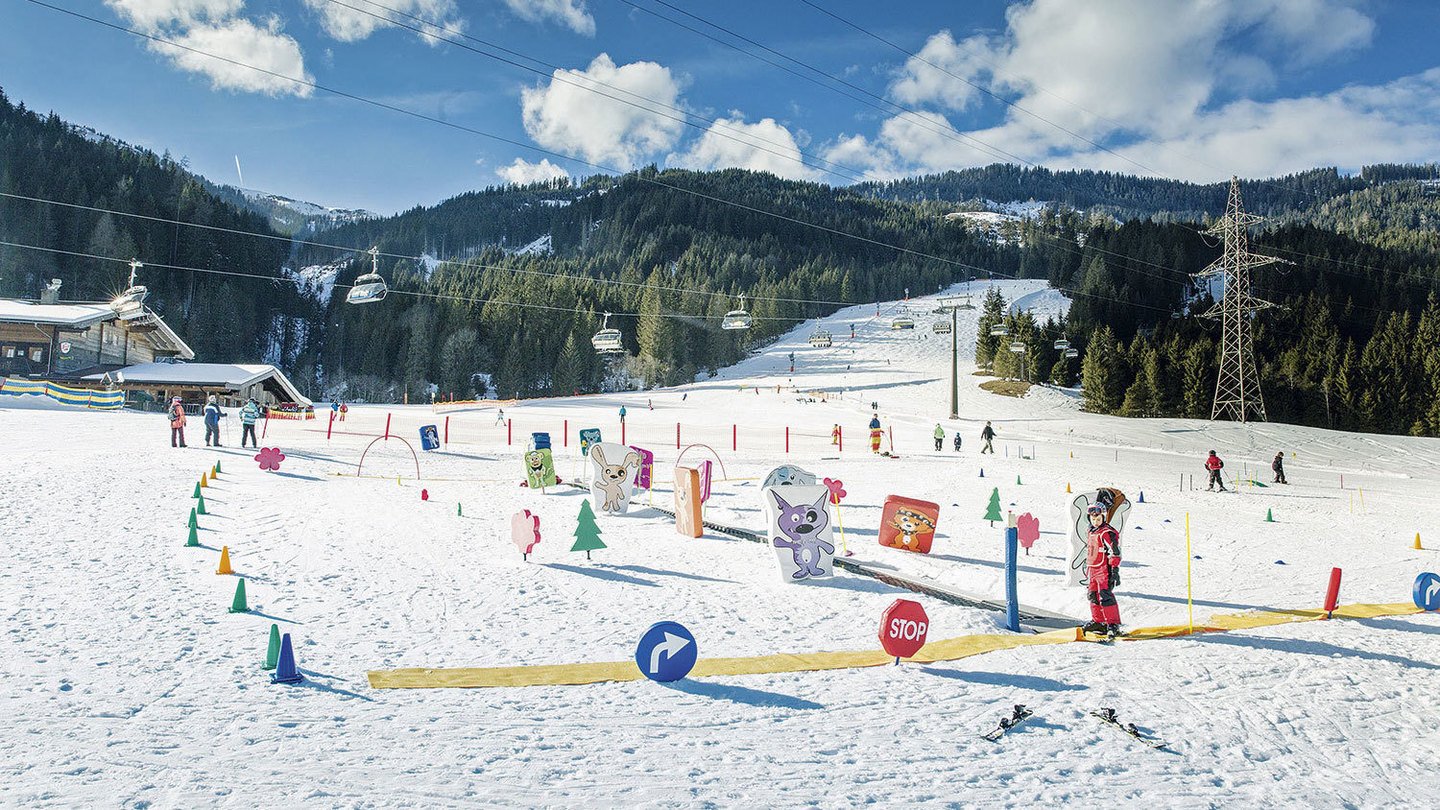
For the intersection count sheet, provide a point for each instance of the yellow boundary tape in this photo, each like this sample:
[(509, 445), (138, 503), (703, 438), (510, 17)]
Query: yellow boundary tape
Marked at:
[(949, 649)]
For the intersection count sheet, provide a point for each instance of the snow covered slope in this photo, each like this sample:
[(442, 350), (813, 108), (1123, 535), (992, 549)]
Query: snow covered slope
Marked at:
[(129, 684)]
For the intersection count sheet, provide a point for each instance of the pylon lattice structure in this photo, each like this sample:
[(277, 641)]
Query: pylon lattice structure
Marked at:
[(1237, 387)]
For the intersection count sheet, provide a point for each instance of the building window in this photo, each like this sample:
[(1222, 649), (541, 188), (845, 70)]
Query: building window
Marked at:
[(8, 352), (37, 354)]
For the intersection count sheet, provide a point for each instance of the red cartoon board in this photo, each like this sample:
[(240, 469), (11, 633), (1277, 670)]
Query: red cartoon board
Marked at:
[(909, 524)]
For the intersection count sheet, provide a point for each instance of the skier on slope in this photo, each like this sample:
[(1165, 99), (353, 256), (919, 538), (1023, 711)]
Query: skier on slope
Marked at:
[(1215, 465), (957, 441), (344, 409), (835, 435), (988, 435), (1102, 559), (249, 415), (622, 414), (875, 433), (176, 412), (1278, 466), (212, 421), (939, 437)]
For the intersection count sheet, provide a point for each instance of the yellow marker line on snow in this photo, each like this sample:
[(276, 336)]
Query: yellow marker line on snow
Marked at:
[(949, 649)]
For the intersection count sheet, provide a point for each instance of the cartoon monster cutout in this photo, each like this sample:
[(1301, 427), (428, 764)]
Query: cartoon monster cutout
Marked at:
[(802, 529)]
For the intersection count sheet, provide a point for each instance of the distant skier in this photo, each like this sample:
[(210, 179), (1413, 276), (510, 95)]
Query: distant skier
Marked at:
[(334, 409), (500, 416), (988, 435), (344, 409), (212, 421), (650, 403), (249, 415), (835, 435), (875, 433), (1278, 465), (176, 413), (1215, 465), (957, 441), (622, 414), (1102, 559), (939, 437)]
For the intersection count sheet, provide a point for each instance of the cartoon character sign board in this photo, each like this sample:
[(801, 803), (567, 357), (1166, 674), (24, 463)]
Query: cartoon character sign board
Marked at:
[(539, 469), (786, 475), (800, 531), (909, 524), (429, 438), (687, 502), (707, 474), (647, 466), (589, 437), (1117, 507), (614, 468)]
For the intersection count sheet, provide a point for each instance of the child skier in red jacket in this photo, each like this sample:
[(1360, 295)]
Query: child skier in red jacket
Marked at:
[(1103, 570)]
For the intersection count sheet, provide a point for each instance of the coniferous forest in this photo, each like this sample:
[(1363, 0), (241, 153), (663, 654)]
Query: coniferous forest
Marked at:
[(497, 291)]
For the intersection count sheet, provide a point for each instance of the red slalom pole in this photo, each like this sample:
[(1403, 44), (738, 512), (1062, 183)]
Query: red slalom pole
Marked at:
[(265, 428), (447, 430), (677, 435), (734, 438), (1332, 596), (841, 436), (787, 440), (565, 434), (387, 427), (509, 431), (330, 427), (622, 432)]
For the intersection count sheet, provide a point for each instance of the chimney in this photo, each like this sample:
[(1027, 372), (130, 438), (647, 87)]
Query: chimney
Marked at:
[(51, 293)]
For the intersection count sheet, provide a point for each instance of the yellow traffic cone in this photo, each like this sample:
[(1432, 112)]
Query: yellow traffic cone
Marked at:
[(203, 482), (1418, 547), (224, 561), (1067, 487)]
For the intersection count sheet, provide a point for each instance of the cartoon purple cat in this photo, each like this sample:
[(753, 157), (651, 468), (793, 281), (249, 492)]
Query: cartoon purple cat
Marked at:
[(802, 526)]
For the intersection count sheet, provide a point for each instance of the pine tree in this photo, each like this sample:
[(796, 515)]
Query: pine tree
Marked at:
[(587, 531), (992, 510), (1101, 374)]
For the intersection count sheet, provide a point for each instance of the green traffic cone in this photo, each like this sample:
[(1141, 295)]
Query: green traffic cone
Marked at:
[(192, 523), (200, 505), (217, 467), (458, 511), (238, 605), (194, 539), (196, 493), (1017, 481), (273, 654), (1269, 516)]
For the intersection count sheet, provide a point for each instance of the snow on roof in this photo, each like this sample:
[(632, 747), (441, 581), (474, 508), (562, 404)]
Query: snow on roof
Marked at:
[(208, 375), (72, 314)]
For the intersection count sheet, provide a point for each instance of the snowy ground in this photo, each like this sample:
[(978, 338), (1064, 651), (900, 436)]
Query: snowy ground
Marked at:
[(128, 684)]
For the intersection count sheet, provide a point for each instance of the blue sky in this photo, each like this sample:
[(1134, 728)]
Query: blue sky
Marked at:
[(1179, 89)]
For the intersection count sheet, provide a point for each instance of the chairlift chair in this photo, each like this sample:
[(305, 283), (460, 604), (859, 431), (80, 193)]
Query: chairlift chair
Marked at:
[(1072, 353), (1018, 347), (999, 331), (737, 318), (1062, 344), (902, 323), (607, 340), (129, 301), (941, 327), (820, 339), (370, 287)]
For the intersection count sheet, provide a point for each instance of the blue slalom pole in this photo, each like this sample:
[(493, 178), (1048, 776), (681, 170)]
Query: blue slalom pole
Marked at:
[(1012, 598)]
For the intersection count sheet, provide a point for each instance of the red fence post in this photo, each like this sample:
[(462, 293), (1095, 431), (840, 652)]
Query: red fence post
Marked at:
[(447, 431), (1332, 596), (841, 436), (509, 431), (622, 432), (565, 438), (387, 427), (263, 428), (787, 439), (734, 438), (677, 435), (330, 427)]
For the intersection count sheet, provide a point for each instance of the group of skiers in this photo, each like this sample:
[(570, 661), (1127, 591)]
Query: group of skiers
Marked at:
[(250, 413), (987, 435), (1213, 465)]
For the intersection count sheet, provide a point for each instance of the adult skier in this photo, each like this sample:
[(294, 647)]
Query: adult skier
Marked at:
[(835, 435), (939, 437), (500, 416), (1215, 465), (988, 435), (875, 433), (176, 413), (622, 414), (1278, 465), (957, 441), (249, 415), (212, 421), (1102, 559), (344, 409)]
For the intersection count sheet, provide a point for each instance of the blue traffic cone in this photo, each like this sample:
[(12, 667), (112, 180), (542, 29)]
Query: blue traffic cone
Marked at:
[(982, 472), (285, 671), (1142, 496)]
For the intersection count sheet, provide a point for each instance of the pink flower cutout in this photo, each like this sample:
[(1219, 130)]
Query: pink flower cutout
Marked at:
[(1028, 530), (525, 531), (270, 458), (837, 489)]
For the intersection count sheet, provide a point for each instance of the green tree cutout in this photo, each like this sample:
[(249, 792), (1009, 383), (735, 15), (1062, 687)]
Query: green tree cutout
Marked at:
[(587, 532), (992, 513)]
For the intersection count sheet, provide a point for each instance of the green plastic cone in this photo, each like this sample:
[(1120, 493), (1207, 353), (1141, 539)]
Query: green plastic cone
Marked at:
[(196, 493), (200, 505), (1017, 481), (193, 540), (217, 467), (1269, 516), (458, 511), (192, 523), (238, 605), (273, 654)]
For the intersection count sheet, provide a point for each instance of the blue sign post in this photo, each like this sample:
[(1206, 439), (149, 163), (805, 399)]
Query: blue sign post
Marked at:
[(666, 652), (429, 438), (1427, 591)]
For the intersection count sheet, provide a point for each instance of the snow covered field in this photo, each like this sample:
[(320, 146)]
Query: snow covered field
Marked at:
[(128, 684)]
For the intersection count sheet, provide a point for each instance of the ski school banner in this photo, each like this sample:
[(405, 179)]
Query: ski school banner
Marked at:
[(276, 413), (79, 397), (464, 404)]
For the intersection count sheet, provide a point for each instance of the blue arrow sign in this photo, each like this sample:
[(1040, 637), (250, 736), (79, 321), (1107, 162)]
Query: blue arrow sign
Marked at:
[(666, 652), (1427, 592)]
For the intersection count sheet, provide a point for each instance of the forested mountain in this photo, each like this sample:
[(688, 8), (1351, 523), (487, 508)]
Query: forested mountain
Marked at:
[(498, 291)]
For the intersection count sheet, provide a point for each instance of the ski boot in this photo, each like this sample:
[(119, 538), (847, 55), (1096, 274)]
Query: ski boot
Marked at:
[(1112, 631), (1094, 627)]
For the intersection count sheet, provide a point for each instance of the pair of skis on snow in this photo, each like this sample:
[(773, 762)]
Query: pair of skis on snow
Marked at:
[(1106, 715)]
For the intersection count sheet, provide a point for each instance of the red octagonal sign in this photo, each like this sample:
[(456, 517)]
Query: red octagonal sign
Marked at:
[(903, 627)]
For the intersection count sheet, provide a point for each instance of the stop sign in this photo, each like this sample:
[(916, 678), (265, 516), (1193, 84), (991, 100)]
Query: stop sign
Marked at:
[(903, 626)]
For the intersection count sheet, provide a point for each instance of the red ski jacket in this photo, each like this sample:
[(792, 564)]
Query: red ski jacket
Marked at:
[(1102, 547), (1213, 463)]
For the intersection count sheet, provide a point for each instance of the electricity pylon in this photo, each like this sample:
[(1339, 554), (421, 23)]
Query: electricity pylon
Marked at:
[(1237, 387)]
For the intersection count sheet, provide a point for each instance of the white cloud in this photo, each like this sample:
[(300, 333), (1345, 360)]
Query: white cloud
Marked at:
[(574, 120), (245, 42), (571, 13), (764, 146), (358, 19), (152, 15), (522, 172), (1168, 83)]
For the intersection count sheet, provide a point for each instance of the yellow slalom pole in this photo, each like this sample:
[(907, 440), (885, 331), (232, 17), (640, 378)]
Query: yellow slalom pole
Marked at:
[(1361, 490), (1189, 598), (844, 546)]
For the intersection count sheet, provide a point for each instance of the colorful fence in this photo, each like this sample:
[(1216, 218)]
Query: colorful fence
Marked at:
[(79, 397)]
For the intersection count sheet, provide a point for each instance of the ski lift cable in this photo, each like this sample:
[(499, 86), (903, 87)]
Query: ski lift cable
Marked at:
[(590, 85)]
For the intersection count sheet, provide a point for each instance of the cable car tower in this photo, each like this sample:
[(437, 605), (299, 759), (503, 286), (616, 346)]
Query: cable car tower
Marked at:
[(1237, 387)]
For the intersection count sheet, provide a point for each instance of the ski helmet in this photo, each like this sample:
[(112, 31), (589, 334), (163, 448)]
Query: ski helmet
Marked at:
[(1095, 509)]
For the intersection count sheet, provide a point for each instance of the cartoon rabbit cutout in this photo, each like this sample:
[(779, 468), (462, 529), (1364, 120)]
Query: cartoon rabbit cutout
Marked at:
[(612, 484), (800, 531)]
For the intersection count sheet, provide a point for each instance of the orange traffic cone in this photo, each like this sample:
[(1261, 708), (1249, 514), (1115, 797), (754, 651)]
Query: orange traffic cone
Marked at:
[(224, 561)]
